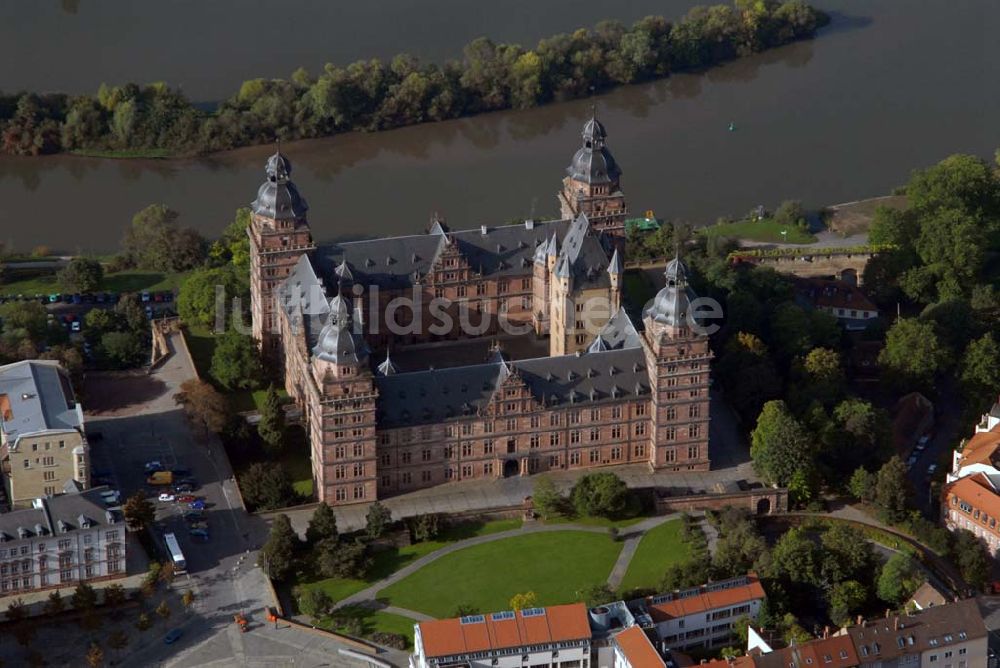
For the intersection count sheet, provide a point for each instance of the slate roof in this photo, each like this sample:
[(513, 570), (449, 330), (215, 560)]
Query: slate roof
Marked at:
[(593, 162), (583, 257), (438, 395), (278, 197), (35, 396), (619, 332), (337, 341), (58, 514), (396, 262), (670, 306), (303, 297)]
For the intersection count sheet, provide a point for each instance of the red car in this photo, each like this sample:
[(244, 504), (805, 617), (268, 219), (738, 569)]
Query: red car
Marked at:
[(186, 498)]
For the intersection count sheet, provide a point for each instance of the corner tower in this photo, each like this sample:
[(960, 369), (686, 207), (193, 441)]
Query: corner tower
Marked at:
[(279, 236), (592, 185), (678, 359)]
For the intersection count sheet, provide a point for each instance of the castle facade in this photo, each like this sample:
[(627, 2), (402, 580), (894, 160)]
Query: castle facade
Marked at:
[(606, 394)]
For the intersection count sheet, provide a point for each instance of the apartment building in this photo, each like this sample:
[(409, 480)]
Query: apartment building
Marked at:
[(633, 649), (60, 542), (555, 637), (43, 447), (702, 617)]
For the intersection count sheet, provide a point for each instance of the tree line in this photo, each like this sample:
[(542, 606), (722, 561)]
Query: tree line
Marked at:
[(372, 95)]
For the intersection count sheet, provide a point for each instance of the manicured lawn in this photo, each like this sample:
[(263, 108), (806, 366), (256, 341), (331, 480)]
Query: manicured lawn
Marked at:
[(201, 343), (658, 549), (763, 230), (387, 562), (553, 565), (595, 521), (123, 281)]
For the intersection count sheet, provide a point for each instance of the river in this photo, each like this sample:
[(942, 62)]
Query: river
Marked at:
[(888, 87)]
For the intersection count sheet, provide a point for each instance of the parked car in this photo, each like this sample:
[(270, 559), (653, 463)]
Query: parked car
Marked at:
[(54, 297), (197, 504), (193, 516), (167, 497), (200, 533), (187, 481), (173, 636), (931, 469), (186, 498), (200, 524), (153, 466), (922, 442), (911, 461), (75, 326), (183, 488)]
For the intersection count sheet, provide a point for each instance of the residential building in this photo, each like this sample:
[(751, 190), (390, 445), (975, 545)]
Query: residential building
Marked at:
[(613, 395), (43, 446), (59, 542), (633, 649), (845, 301), (973, 503), (950, 635), (555, 637), (703, 617), (928, 595)]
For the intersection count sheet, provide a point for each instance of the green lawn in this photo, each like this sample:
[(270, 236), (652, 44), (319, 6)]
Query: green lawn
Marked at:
[(763, 230), (658, 549), (386, 562), (553, 565), (372, 621), (123, 281), (147, 153), (595, 521)]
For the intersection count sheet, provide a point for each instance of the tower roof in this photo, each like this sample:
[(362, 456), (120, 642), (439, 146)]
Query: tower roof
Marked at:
[(671, 304), (277, 197), (593, 163), (337, 342)]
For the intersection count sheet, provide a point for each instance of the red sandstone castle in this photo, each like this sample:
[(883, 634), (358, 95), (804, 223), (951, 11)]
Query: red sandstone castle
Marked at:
[(607, 393)]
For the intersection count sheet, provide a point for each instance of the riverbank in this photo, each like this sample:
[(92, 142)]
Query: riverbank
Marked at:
[(368, 95)]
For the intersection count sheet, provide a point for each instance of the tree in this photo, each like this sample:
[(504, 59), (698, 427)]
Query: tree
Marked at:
[(95, 656), (822, 378), (266, 486), (323, 524), (163, 610), (862, 485), (899, 578), (235, 362), (188, 598), (546, 499), (203, 405), (425, 527), (523, 601), (16, 611), (377, 520), (892, 489), (140, 513), (114, 596), (154, 241), (143, 623), (746, 367), (779, 446), (342, 560), (84, 597), (846, 554), (912, 355), (81, 275), (279, 551), (314, 602), (980, 369), (600, 494), (167, 572), (122, 350), (24, 320), (598, 594), (272, 421), (790, 212), (117, 640), (846, 599), (233, 247), (204, 294), (795, 558), (55, 604), (972, 558)]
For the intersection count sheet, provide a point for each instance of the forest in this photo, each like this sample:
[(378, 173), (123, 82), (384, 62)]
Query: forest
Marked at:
[(155, 120)]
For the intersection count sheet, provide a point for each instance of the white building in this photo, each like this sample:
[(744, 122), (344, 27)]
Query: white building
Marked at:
[(555, 637), (60, 542), (704, 616)]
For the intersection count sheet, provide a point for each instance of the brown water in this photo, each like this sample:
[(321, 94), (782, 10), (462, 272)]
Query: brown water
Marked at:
[(890, 86)]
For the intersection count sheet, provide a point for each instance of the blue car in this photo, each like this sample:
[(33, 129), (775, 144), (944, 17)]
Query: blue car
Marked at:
[(172, 637), (197, 505)]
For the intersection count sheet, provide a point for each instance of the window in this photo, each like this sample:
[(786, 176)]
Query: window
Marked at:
[(640, 450), (359, 470), (554, 439), (488, 446), (467, 449), (535, 421), (595, 434), (425, 455), (341, 494), (595, 456), (616, 453), (488, 468), (359, 491), (616, 432), (574, 436), (48, 475), (692, 452), (574, 458), (640, 428)]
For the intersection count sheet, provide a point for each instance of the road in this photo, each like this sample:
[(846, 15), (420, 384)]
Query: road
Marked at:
[(222, 571)]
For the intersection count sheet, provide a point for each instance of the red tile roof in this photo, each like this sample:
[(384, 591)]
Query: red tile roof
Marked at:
[(722, 598), (976, 491), (637, 649), (981, 447), (559, 623)]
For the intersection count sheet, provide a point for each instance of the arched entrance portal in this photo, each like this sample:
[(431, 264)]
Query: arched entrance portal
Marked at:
[(764, 506), (511, 468)]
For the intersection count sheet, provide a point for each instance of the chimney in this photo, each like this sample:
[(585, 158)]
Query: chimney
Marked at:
[(483, 230), (861, 621), (887, 613), (826, 632), (895, 624)]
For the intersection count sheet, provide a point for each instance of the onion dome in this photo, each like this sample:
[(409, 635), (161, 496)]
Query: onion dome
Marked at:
[(593, 163), (671, 304), (277, 197), (338, 343)]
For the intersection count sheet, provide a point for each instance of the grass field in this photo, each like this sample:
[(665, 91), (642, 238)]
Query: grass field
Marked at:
[(387, 562), (135, 153), (659, 548), (487, 576), (595, 521), (123, 281), (372, 621), (763, 230)]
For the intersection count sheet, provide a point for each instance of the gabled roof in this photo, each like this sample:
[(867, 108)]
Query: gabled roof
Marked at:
[(504, 630), (619, 332), (637, 649), (707, 597), (583, 257), (981, 448)]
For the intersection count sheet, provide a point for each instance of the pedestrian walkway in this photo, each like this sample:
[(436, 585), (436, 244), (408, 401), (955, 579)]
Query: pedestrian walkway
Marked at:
[(632, 536)]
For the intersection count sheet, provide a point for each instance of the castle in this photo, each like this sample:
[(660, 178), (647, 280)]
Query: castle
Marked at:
[(606, 394)]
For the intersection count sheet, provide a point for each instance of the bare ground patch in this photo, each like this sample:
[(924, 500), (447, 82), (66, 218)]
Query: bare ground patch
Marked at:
[(113, 394), (855, 217)]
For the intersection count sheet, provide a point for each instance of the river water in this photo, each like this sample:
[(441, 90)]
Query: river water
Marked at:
[(888, 87)]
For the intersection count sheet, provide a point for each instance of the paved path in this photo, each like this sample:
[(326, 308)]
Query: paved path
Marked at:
[(633, 536), (406, 612)]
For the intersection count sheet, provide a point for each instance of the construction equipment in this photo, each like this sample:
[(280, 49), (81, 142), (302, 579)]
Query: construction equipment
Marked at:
[(242, 621)]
